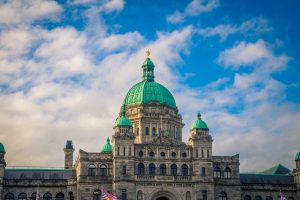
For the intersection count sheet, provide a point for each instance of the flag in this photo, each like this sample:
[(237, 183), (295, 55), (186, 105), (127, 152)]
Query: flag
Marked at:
[(109, 196), (37, 196), (282, 197)]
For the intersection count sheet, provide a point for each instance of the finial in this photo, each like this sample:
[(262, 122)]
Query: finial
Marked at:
[(148, 53), (108, 140), (199, 115), (123, 113)]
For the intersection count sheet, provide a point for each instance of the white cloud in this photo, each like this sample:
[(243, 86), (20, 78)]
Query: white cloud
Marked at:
[(22, 11), (194, 8), (114, 5)]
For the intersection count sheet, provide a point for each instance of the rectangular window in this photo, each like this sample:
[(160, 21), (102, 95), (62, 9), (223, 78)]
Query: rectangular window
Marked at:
[(197, 153), (137, 131), (118, 152), (124, 151), (202, 153), (204, 194), (124, 170), (129, 151), (124, 195), (207, 153), (203, 171)]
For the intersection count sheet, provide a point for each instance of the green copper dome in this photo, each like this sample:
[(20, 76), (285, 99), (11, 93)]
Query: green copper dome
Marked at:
[(199, 123), (148, 90), (123, 120), (107, 147), (2, 150), (297, 157)]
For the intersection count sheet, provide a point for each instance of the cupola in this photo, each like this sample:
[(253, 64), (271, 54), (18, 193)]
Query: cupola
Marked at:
[(107, 147), (199, 123)]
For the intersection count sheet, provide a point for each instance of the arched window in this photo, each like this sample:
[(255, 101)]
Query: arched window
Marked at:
[(141, 153), (184, 170), (103, 170), (60, 196), (258, 197), (188, 195), (173, 155), (270, 198), (151, 154), (227, 172), (222, 196), (153, 131), (247, 197), (147, 130), (22, 196), (139, 195), (152, 169), (9, 196), (217, 172), (71, 195), (47, 196), (33, 196), (141, 168), (92, 170), (173, 169), (97, 194), (163, 169)]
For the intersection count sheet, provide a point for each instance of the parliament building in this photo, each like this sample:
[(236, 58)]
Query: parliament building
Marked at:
[(146, 159)]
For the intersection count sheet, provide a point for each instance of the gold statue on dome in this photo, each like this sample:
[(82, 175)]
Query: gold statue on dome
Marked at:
[(148, 53)]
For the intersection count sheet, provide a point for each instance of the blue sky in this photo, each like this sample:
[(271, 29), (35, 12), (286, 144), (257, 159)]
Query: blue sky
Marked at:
[(65, 68)]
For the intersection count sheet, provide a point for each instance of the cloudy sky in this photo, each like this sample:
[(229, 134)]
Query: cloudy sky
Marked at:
[(65, 68)]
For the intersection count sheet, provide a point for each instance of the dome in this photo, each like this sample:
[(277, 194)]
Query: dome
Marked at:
[(148, 90), (2, 150), (107, 147), (199, 123), (122, 120), (297, 157)]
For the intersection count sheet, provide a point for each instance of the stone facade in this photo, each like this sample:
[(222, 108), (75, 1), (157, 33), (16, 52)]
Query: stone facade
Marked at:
[(148, 161)]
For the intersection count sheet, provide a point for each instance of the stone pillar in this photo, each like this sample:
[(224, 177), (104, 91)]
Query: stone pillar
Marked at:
[(69, 150)]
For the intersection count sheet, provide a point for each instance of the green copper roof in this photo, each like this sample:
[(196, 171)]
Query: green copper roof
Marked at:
[(199, 123), (123, 120), (277, 169), (148, 90), (2, 150), (297, 157), (107, 147)]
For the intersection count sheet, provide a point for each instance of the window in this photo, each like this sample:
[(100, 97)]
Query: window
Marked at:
[(71, 196), (97, 195), (227, 173), (217, 172), (173, 154), (258, 197), (197, 153), (124, 195), (173, 169), (207, 153), (124, 151), (33, 196), (22, 196), (153, 131), (137, 131), (141, 169), (162, 154), (222, 196), (270, 198), (92, 170), (184, 170), (129, 151), (151, 154), (163, 169), (118, 152), (139, 195), (188, 195), (204, 194), (9, 196), (124, 169), (103, 170), (59, 196), (291, 198), (47, 196), (202, 153), (203, 171), (147, 131), (184, 154), (247, 197), (141, 154), (152, 169)]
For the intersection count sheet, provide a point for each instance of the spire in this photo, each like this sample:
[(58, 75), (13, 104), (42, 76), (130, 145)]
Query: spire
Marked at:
[(148, 68), (199, 115)]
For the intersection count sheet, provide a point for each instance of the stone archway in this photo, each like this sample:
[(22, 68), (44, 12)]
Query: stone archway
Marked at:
[(164, 195)]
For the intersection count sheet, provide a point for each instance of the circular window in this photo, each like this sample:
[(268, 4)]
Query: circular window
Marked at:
[(141, 154), (173, 154), (151, 154), (162, 154), (184, 155)]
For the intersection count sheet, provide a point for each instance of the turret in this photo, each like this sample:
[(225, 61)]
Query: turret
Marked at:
[(107, 147), (2, 168), (297, 160), (69, 150)]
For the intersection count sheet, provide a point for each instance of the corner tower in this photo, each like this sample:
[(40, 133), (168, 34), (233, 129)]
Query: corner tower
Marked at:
[(152, 108)]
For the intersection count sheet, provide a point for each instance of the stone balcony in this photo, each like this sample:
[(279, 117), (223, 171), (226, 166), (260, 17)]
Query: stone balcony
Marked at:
[(164, 178)]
